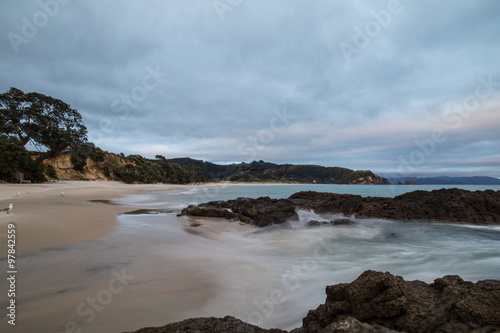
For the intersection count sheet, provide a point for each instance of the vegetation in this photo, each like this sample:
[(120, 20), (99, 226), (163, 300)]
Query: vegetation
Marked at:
[(49, 124), (140, 170), (52, 126), (260, 171)]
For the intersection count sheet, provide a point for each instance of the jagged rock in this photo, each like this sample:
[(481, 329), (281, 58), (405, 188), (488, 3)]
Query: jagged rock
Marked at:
[(341, 222), (208, 211), (379, 302), (344, 221), (212, 325), (315, 223), (261, 212), (383, 299), (453, 205), (351, 325)]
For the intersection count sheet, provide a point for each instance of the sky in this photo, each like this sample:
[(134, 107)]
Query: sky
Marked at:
[(399, 87)]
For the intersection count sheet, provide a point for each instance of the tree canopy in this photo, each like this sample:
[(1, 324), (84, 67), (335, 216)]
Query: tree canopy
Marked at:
[(46, 122)]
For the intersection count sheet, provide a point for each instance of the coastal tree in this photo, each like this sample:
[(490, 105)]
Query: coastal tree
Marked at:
[(47, 123)]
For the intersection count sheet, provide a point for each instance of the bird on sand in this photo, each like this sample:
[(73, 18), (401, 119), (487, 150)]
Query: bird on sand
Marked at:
[(8, 209)]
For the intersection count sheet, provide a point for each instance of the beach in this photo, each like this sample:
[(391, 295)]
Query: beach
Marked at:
[(70, 250), (85, 266), (60, 214)]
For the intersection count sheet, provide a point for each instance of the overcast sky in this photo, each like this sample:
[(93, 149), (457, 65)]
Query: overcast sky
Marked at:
[(397, 87)]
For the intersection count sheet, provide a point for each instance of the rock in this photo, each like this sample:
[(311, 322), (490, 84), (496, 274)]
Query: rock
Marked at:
[(264, 211), (452, 205), (342, 222), (386, 300), (261, 212), (351, 325), (315, 223), (212, 325), (379, 302), (208, 211)]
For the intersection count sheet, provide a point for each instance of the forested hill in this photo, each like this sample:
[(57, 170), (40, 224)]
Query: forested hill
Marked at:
[(260, 171)]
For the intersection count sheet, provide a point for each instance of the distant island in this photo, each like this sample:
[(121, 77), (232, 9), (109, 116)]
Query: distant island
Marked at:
[(446, 180)]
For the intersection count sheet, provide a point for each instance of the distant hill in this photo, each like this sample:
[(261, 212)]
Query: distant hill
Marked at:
[(260, 171), (446, 180)]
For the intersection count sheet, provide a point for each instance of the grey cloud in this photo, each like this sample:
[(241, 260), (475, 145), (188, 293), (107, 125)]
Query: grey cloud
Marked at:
[(225, 78)]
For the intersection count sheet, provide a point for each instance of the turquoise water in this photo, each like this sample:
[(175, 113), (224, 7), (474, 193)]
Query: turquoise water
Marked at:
[(180, 198)]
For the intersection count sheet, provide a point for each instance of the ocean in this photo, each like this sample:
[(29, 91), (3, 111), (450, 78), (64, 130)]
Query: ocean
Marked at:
[(272, 276), (158, 268)]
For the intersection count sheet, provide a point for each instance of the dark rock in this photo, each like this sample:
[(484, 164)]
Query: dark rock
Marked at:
[(351, 325), (383, 299), (208, 211), (212, 325), (261, 212), (452, 205), (379, 302), (342, 222), (315, 223)]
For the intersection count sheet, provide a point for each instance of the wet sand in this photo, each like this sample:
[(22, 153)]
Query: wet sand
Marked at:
[(79, 271), (45, 218)]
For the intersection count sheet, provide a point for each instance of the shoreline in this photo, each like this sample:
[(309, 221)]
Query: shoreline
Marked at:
[(55, 215), (45, 218)]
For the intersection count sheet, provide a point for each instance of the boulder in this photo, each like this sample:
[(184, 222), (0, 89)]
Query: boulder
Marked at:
[(449, 205), (261, 212), (386, 300), (378, 302), (212, 325)]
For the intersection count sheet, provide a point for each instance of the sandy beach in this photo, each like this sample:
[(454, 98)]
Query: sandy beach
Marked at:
[(68, 249), (60, 214)]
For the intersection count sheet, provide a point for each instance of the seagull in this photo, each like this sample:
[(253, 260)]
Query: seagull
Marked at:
[(62, 194), (8, 209)]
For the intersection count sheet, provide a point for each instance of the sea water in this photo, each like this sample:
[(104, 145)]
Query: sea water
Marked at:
[(159, 268), (272, 276)]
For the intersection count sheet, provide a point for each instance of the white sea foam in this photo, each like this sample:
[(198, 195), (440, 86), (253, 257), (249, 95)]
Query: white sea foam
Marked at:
[(250, 266)]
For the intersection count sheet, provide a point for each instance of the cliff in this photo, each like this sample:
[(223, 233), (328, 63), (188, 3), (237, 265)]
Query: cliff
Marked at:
[(93, 170)]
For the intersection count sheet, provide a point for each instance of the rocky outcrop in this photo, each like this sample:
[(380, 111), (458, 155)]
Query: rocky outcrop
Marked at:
[(370, 179), (212, 325), (383, 299), (452, 205), (261, 212), (378, 302)]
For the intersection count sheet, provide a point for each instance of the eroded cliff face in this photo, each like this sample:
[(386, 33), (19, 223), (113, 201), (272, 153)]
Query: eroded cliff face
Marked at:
[(92, 171), (370, 180)]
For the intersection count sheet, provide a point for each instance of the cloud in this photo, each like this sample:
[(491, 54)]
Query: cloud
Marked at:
[(225, 79)]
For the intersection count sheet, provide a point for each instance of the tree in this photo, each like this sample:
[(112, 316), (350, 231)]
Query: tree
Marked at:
[(196, 173), (44, 121)]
